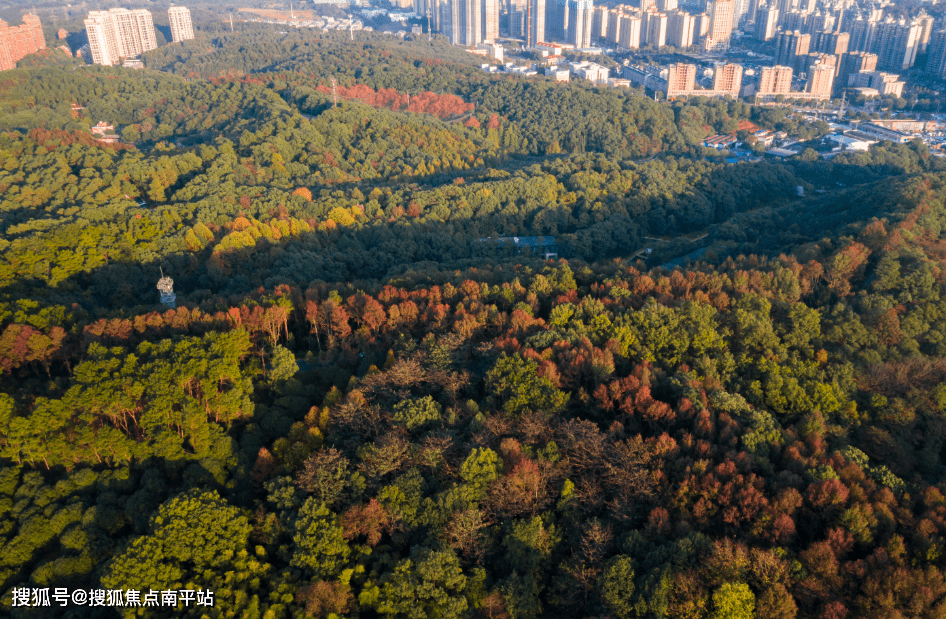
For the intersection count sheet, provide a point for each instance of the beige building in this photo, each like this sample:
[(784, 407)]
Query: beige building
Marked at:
[(599, 23), (936, 59), (766, 22), (727, 80), (820, 81), (775, 81), (810, 60), (654, 29), (16, 42), (181, 27), (490, 20), (897, 44), (630, 31), (471, 22), (681, 80), (831, 42), (854, 63), (789, 47), (119, 33), (926, 29), (681, 29), (721, 14), (886, 84)]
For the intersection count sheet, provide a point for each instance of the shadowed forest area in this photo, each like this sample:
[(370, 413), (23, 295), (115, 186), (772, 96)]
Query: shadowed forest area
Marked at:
[(365, 405)]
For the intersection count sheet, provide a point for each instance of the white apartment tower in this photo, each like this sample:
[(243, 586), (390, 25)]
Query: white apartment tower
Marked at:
[(721, 14), (629, 36), (119, 33), (896, 44), (654, 29), (490, 20), (681, 27), (578, 27), (181, 27), (470, 22), (766, 22)]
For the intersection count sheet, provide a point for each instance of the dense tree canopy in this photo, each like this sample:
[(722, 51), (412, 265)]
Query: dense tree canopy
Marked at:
[(369, 402)]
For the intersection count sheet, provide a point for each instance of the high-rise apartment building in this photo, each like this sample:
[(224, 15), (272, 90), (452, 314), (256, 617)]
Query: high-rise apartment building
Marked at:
[(18, 41), (720, 25), (462, 22), (181, 27), (754, 6), (807, 62), (599, 23), (613, 29), (819, 22), (862, 34), (630, 31), (578, 23), (766, 22), (490, 20), (119, 33), (681, 27), (701, 29), (728, 79), (666, 5), (740, 11), (681, 79), (936, 54), (654, 29), (793, 20), (896, 45), (789, 47), (835, 43), (820, 81), (535, 22), (854, 63), (556, 20), (470, 22), (774, 81), (926, 30)]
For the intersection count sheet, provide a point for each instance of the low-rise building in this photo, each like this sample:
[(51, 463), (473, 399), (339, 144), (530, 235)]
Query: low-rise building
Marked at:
[(848, 142), (559, 74), (764, 137), (720, 142), (879, 131), (886, 84), (591, 71)]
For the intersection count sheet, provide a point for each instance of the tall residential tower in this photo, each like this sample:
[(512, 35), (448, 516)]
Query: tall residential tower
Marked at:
[(181, 27), (119, 33), (18, 41), (721, 13)]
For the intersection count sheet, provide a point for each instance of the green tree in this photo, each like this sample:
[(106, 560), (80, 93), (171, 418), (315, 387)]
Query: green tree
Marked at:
[(480, 468), (517, 387), (320, 544), (616, 585), (195, 531), (417, 413), (428, 584), (733, 601)]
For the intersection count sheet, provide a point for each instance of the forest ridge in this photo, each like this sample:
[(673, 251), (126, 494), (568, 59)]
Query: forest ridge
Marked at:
[(363, 406)]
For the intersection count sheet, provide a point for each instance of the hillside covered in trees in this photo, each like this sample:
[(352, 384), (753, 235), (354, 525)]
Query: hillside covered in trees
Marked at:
[(365, 405)]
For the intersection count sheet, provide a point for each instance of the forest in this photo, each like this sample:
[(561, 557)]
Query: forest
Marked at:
[(368, 403)]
